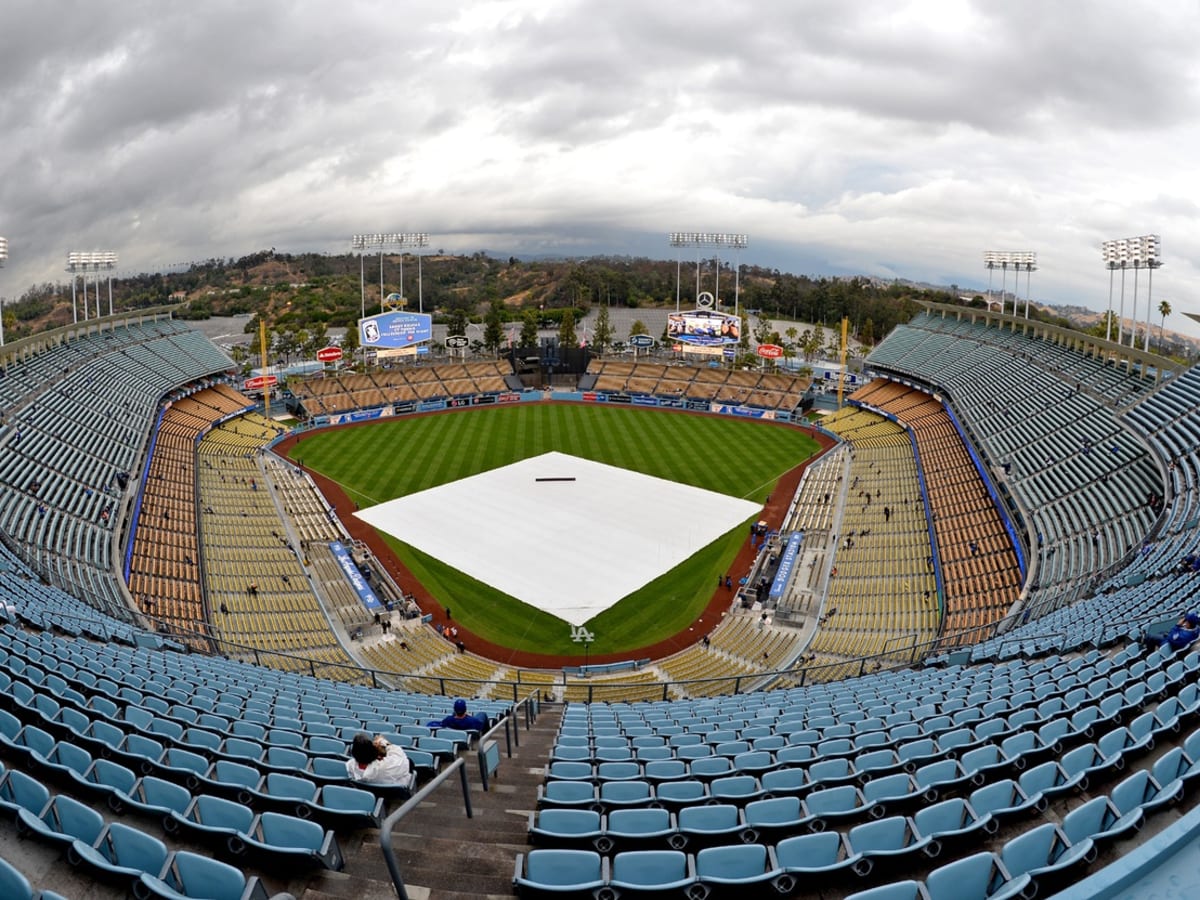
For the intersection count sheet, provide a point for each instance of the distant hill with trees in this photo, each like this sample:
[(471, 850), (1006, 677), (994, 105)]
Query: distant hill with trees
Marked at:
[(301, 295)]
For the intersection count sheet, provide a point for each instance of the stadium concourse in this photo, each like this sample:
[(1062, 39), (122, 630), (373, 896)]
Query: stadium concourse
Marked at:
[(1004, 511)]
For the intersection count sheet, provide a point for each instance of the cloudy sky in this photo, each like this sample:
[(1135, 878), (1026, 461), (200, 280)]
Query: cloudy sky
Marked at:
[(843, 136)]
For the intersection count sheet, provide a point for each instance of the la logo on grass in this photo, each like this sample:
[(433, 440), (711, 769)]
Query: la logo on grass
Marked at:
[(580, 635)]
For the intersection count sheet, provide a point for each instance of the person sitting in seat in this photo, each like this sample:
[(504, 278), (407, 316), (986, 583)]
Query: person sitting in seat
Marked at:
[(461, 720), (1182, 634), (377, 761)]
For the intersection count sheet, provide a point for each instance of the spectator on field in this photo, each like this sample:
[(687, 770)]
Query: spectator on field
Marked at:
[(460, 720), (376, 761)]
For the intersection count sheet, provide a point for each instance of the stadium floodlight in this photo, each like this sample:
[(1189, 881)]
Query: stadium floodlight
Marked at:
[(1001, 259), (1018, 261), (1024, 260), (81, 264), (1111, 253), (382, 240), (715, 240), (3, 260), (1142, 252)]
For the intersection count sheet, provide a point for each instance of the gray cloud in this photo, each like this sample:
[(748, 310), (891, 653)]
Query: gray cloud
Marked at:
[(870, 136)]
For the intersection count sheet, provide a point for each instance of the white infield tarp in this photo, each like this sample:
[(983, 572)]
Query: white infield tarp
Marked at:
[(571, 548)]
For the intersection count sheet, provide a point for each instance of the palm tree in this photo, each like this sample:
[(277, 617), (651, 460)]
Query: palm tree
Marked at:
[(1164, 310)]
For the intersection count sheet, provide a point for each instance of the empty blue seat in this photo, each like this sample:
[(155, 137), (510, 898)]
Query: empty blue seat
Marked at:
[(187, 874), (566, 793), (830, 806), (1004, 800), (15, 886), (120, 853), (1101, 822), (895, 793), (710, 767), (280, 841), (105, 778), (766, 820), (652, 872), (823, 853), (639, 829), (618, 771), (1047, 781), (677, 794), (896, 890), (1139, 789), (779, 782), (345, 807), (68, 759), (660, 770), (63, 821), (211, 819), (1174, 771), (943, 775), (891, 840), (1045, 855), (157, 796), (828, 772), (981, 876), (618, 794), (708, 825), (731, 870), (567, 828), (953, 821), (554, 873)]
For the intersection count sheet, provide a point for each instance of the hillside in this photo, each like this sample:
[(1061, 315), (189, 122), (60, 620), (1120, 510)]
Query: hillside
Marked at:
[(310, 292)]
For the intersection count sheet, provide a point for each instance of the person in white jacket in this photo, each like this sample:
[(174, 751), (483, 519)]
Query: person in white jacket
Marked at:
[(377, 761)]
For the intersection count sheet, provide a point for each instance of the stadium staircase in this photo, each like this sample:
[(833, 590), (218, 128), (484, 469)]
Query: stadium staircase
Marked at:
[(442, 854)]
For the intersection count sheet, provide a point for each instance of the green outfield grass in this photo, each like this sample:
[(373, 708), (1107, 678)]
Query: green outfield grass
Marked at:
[(396, 457)]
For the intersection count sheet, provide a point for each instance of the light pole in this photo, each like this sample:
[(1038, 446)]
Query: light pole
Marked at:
[(996, 259), (380, 241), (1140, 252), (1110, 251), (1027, 260), (1018, 259), (80, 264), (717, 240)]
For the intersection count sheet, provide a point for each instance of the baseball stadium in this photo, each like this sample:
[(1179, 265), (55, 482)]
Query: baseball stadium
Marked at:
[(918, 631)]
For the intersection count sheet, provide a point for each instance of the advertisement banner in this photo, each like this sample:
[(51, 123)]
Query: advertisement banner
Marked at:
[(704, 327), (748, 412), (787, 565), (395, 330), (354, 576)]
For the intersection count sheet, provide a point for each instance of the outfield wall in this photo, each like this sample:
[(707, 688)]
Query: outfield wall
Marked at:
[(534, 396)]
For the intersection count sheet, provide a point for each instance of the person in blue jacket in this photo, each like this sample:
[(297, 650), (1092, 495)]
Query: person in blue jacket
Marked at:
[(1182, 634), (461, 720)]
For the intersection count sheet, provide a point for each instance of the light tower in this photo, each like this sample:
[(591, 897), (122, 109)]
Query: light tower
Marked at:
[(380, 241), (1111, 252), (716, 240), (1137, 253), (83, 264), (1148, 253), (994, 259), (3, 260), (1026, 260)]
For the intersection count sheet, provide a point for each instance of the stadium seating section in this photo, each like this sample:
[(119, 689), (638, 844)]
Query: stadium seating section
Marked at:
[(952, 700)]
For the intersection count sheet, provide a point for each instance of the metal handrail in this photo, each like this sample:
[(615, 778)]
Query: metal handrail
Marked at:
[(385, 834)]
